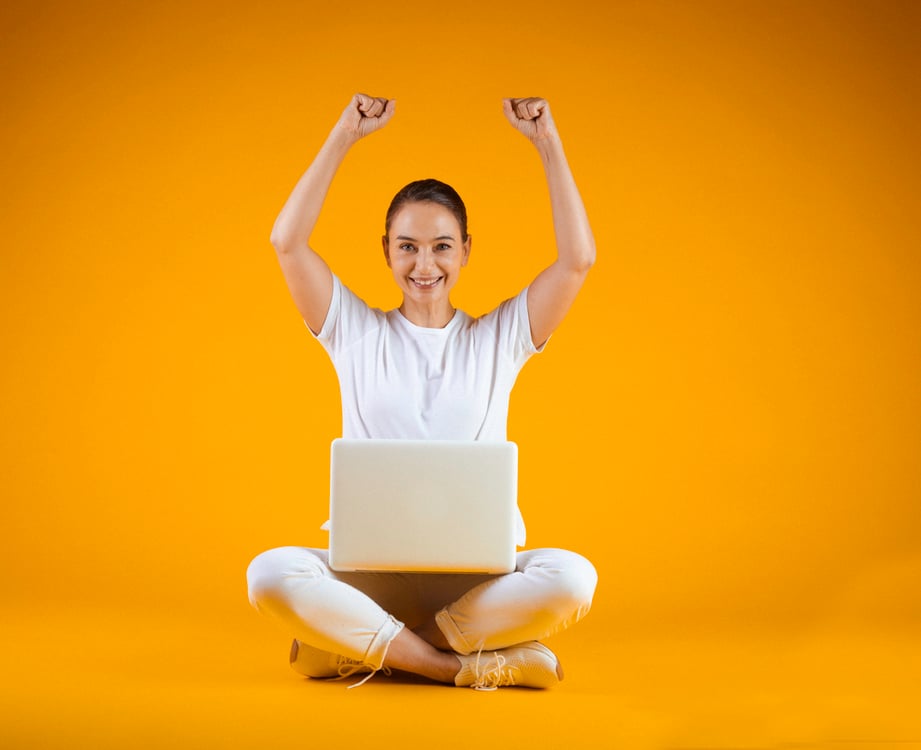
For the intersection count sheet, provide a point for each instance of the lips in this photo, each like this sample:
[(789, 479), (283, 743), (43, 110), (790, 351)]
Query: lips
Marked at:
[(425, 283)]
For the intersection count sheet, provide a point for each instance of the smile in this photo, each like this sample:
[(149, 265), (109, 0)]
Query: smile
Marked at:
[(425, 283)]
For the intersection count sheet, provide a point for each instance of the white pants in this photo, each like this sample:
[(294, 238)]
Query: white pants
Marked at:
[(358, 614)]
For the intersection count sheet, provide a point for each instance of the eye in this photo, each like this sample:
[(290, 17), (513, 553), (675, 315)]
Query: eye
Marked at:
[(443, 246), (407, 247)]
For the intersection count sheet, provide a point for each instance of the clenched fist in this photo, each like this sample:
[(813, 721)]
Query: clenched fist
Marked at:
[(530, 116), (365, 114)]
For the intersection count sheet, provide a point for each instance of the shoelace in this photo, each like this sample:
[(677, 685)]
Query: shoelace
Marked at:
[(350, 667), (493, 676), (350, 670)]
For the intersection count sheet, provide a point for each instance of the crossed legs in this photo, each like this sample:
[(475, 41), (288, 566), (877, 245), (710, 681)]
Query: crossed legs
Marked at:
[(355, 614)]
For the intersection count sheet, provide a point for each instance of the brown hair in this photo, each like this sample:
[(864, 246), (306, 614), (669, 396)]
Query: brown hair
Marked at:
[(433, 191)]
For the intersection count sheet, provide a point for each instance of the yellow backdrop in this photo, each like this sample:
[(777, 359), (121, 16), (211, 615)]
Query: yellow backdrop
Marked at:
[(728, 422)]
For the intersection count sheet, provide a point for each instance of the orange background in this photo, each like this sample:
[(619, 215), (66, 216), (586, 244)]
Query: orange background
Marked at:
[(728, 424)]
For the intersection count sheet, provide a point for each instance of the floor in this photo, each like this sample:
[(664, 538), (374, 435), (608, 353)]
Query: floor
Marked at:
[(168, 680)]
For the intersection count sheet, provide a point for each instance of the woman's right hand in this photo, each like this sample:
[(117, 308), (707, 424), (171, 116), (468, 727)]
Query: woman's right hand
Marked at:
[(364, 115)]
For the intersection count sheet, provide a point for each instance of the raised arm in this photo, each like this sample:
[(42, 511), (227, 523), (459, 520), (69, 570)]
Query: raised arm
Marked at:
[(309, 278), (554, 290)]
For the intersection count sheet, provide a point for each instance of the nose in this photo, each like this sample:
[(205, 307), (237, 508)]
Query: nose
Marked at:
[(425, 260)]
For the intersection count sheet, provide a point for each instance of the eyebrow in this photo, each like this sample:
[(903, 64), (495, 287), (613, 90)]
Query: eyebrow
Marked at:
[(413, 239)]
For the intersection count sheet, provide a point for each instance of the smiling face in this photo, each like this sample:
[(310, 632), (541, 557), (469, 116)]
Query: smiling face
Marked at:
[(425, 251)]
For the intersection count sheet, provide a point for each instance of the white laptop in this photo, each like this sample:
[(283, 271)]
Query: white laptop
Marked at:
[(438, 506)]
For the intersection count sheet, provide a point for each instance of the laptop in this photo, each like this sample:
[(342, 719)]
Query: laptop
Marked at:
[(439, 506)]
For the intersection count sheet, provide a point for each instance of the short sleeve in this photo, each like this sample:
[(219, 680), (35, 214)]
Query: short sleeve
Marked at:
[(524, 320), (348, 319), (511, 325)]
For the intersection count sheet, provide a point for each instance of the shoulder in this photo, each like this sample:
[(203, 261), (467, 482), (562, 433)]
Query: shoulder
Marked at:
[(506, 313), (349, 316), (509, 322)]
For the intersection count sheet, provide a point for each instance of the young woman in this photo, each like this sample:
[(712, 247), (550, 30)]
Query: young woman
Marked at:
[(428, 371)]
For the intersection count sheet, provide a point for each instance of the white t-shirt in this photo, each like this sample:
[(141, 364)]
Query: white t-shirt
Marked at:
[(401, 381)]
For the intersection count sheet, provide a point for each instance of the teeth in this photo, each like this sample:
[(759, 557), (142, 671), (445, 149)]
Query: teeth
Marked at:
[(431, 282)]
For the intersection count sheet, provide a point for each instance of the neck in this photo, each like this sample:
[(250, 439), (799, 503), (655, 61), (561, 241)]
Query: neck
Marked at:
[(428, 316)]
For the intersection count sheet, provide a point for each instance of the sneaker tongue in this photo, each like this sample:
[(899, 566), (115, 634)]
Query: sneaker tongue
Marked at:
[(483, 671)]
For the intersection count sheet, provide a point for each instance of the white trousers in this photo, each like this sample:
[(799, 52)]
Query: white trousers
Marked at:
[(358, 614)]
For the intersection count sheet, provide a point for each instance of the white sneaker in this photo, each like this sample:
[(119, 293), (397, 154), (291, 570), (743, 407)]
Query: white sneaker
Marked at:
[(313, 662), (528, 664)]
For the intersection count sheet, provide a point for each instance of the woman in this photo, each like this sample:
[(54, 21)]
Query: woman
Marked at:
[(428, 371)]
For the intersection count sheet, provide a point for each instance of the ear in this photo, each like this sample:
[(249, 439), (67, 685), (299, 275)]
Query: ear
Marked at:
[(467, 244), (386, 250)]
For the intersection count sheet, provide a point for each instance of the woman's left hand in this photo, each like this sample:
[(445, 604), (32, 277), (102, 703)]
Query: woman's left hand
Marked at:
[(531, 116)]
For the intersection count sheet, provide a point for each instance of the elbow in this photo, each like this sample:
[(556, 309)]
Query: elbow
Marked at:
[(589, 260), (577, 259), (281, 243), (285, 237), (586, 258)]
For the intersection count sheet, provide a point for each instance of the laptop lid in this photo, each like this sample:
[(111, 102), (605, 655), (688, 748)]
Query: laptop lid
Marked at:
[(423, 506)]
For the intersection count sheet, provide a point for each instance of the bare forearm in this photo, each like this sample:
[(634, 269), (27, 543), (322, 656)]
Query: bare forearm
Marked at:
[(298, 217), (574, 239), (309, 278)]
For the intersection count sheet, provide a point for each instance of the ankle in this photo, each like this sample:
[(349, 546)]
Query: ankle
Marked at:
[(454, 665)]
